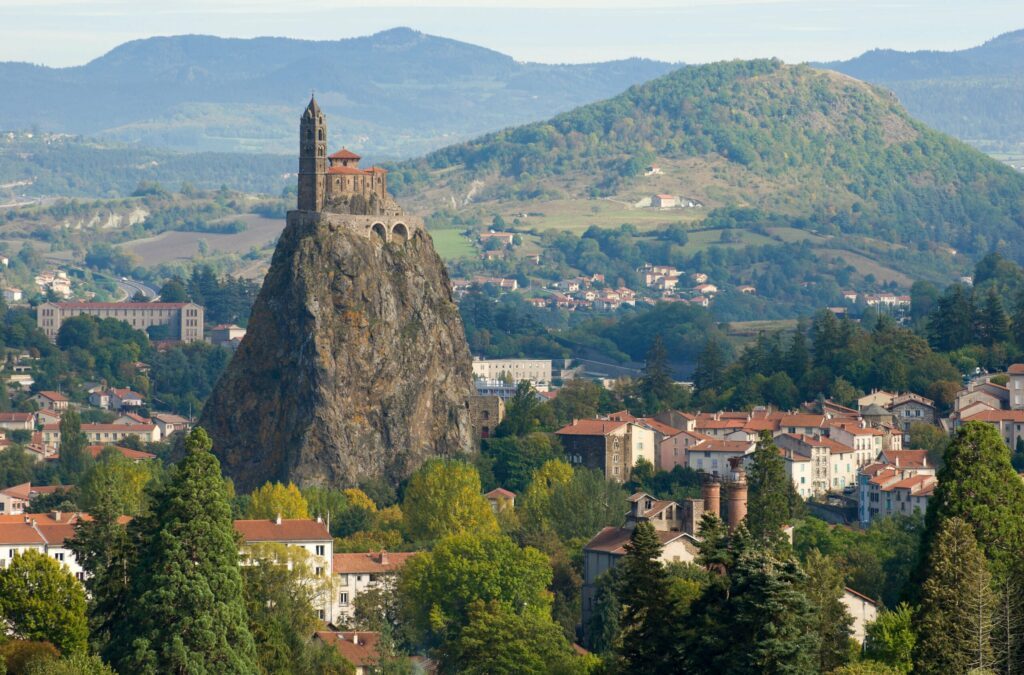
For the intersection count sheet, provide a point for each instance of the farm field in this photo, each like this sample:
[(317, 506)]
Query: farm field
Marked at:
[(170, 246), (451, 244), (576, 215)]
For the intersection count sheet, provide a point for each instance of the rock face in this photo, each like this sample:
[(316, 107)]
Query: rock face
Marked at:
[(355, 363)]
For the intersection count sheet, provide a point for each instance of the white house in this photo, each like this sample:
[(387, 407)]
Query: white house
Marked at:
[(356, 573)]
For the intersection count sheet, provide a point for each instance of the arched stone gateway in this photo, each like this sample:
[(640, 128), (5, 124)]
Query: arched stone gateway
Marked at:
[(400, 233), (378, 229)]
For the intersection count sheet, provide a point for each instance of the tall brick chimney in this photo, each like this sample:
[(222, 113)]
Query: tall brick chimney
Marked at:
[(710, 490), (737, 493)]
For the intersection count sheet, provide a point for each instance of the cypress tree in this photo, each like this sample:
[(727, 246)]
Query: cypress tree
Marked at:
[(709, 374), (955, 622), (648, 618), (656, 383), (993, 323), (73, 460), (773, 500), (797, 360), (834, 624), (186, 611)]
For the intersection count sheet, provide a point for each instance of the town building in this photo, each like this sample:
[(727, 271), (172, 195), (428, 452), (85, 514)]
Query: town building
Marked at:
[(360, 648), (183, 320), (310, 535), (898, 482), (357, 573), (104, 434), (664, 201), (51, 400), (170, 423), (609, 446), (535, 371), (910, 409), (863, 609), (12, 294), (501, 499), (17, 421), (227, 334)]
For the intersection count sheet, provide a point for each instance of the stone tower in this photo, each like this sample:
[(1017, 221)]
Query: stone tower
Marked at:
[(312, 158)]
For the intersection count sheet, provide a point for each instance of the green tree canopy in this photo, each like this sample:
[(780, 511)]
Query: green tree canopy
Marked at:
[(40, 600), (276, 499), (443, 498)]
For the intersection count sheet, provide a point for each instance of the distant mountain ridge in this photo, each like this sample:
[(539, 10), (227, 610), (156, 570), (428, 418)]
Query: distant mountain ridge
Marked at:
[(396, 93), (976, 94)]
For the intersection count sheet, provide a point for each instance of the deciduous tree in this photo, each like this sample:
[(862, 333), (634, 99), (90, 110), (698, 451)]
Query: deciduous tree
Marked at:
[(443, 498), (40, 600), (276, 499)]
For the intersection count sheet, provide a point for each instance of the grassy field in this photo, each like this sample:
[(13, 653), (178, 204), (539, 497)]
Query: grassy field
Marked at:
[(576, 215), (170, 246), (452, 244)]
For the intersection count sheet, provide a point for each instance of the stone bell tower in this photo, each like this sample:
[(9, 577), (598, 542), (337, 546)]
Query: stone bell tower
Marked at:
[(312, 158)]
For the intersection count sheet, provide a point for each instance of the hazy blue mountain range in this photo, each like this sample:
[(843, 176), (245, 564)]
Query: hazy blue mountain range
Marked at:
[(402, 93), (976, 94)]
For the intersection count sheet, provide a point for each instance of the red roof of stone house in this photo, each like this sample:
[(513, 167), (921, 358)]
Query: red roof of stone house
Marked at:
[(53, 395), (56, 533), (15, 417), (370, 563), (660, 427), (501, 492), (20, 491), (793, 456), (47, 413), (802, 420), (302, 529), (907, 459), (715, 445), (696, 435), (138, 419), (19, 533), (124, 392), (761, 425), (834, 447), (1016, 369), (665, 196), (589, 428), (884, 477), (344, 153), (122, 305), (621, 416), (910, 397), (358, 648), (997, 416), (733, 415), (128, 453), (612, 539)]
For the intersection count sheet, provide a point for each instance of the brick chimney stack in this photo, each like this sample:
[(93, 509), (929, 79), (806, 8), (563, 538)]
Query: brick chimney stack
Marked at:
[(737, 493), (710, 490)]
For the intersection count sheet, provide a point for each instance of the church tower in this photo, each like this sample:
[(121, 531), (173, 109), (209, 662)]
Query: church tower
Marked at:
[(312, 158)]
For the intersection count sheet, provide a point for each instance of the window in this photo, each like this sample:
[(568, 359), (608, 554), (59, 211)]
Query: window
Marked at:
[(80, 576), (359, 577), (343, 579), (319, 549), (343, 598), (803, 480), (59, 557), (319, 571), (320, 614)]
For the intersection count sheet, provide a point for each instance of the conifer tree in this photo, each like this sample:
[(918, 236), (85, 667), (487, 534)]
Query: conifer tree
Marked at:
[(955, 621), (656, 383), (993, 323), (834, 624), (106, 554), (604, 626), (73, 460), (951, 323), (773, 500), (648, 617), (185, 608), (709, 374)]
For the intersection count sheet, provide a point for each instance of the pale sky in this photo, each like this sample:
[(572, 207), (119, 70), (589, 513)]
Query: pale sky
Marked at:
[(71, 32)]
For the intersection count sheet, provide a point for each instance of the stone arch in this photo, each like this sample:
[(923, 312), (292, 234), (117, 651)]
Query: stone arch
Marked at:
[(379, 230), (400, 233)]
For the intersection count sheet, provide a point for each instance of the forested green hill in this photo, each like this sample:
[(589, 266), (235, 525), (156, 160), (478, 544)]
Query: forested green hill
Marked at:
[(836, 154)]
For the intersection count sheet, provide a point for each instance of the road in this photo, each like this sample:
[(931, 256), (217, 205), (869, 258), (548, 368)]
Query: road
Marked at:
[(130, 287)]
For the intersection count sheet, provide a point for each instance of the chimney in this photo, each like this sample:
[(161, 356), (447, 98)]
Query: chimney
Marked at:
[(737, 493), (897, 461), (355, 638), (56, 516), (319, 519), (383, 557), (277, 520), (710, 491)]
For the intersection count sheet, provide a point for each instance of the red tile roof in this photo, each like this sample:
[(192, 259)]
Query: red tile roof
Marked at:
[(907, 459), (1016, 369), (501, 492), (9, 417), (20, 491), (128, 453), (715, 445), (612, 539), (358, 648), (589, 428), (344, 153), (347, 170), (19, 533), (370, 563), (997, 416), (286, 530), (53, 395), (660, 427)]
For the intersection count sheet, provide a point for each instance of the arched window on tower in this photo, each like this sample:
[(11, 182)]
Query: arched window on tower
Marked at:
[(319, 134)]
